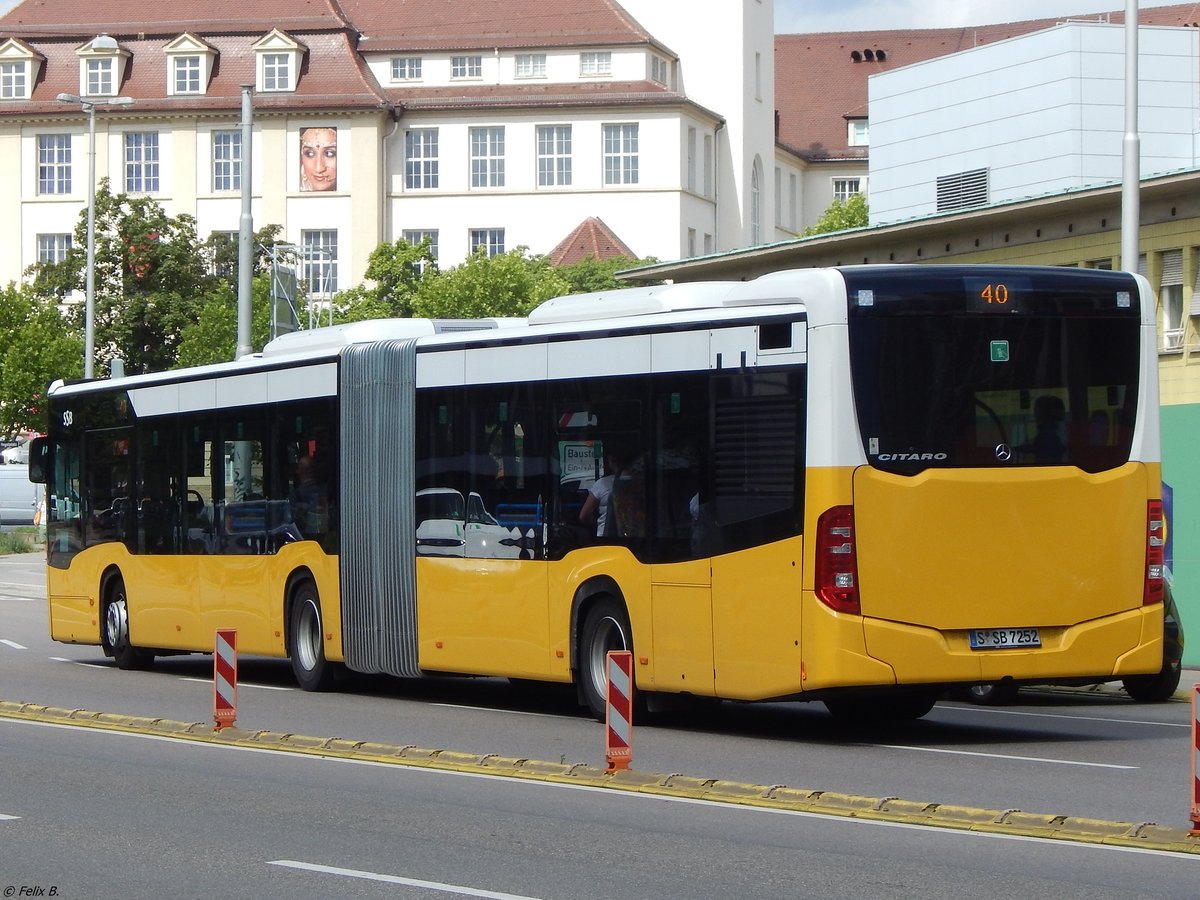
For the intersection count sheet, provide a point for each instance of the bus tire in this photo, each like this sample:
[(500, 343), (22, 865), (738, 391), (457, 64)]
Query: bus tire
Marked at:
[(1154, 688), (605, 628), (115, 634), (306, 640)]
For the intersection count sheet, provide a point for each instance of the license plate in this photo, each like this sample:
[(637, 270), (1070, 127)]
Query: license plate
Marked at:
[(1004, 638)]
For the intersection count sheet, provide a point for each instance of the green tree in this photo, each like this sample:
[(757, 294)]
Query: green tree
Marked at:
[(509, 284), (841, 215), (398, 271), (151, 280), (594, 274), (212, 338), (36, 347)]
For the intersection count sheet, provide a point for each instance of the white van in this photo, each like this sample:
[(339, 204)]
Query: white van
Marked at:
[(18, 496)]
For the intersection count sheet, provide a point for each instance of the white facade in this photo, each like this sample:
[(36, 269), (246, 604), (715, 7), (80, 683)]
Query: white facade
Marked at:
[(1028, 116), (705, 155)]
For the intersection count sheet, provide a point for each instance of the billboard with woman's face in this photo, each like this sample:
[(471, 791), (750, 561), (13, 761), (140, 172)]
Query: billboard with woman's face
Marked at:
[(318, 159)]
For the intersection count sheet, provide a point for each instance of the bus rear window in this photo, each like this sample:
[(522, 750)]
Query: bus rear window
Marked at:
[(1054, 384)]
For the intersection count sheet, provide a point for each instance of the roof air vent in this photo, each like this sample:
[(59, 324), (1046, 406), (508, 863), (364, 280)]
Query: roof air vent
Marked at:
[(856, 56), (881, 55), (869, 54)]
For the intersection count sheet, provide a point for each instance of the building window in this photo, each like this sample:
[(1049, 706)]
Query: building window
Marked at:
[(845, 188), (320, 261), (225, 249), (691, 242), (595, 63), (778, 197), (691, 160), (756, 203), (487, 156), (857, 133), (100, 79), (531, 65), (415, 236), (706, 161), (793, 193), (227, 160), (1170, 296), (421, 158), (554, 155), (660, 70), (621, 154), (466, 67), (13, 80), (277, 71), (141, 162), (53, 248), (54, 164), (406, 68), (491, 239), (187, 74)]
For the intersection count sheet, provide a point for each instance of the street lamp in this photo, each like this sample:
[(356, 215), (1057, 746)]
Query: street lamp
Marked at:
[(89, 105)]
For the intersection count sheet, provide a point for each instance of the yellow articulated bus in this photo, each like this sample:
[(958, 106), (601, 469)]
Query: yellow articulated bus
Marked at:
[(860, 485)]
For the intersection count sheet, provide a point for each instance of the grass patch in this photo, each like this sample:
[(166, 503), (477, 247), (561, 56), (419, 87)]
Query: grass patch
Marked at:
[(24, 540)]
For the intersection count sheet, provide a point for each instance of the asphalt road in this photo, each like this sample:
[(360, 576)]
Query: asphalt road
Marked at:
[(92, 813), (1083, 754)]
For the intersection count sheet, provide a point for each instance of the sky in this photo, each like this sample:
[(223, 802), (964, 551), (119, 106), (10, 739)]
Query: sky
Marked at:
[(797, 16)]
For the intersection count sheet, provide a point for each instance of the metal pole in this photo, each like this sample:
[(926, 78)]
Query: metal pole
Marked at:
[(246, 234), (89, 309), (1131, 215)]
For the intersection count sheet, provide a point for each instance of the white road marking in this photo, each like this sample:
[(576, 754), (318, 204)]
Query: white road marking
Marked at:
[(1064, 846), (4, 818), (241, 684), (13, 644), (397, 879), (1040, 715), (1036, 759)]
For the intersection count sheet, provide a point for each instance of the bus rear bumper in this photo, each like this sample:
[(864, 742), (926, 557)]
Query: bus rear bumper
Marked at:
[(1129, 643)]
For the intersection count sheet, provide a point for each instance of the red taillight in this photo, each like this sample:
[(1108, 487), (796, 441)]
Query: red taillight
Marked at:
[(1156, 546), (837, 563)]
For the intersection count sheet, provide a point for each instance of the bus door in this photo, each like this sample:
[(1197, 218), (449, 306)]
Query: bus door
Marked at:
[(482, 477)]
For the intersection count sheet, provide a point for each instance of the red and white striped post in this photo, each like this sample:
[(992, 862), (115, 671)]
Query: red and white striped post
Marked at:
[(1195, 760), (225, 677), (618, 716)]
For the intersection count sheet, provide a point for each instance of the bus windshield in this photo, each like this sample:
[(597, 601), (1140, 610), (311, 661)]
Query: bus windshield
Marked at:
[(1041, 370)]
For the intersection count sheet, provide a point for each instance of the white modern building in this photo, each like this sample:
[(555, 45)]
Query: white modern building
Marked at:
[(1028, 116)]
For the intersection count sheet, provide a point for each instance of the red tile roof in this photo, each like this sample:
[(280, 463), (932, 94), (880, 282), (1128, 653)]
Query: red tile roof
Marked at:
[(818, 84), (608, 93), (131, 17), (485, 24), (591, 238)]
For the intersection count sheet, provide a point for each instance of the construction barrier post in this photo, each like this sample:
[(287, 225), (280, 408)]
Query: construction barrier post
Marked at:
[(618, 717), (1195, 759), (225, 677)]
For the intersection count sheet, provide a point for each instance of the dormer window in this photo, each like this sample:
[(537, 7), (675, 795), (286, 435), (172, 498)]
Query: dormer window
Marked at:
[(857, 133), (660, 70), (189, 65), (19, 68), (595, 63), (279, 59), (466, 67), (102, 66)]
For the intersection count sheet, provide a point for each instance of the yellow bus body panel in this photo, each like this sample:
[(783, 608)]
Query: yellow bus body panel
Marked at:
[(483, 616), (955, 549), (179, 602)]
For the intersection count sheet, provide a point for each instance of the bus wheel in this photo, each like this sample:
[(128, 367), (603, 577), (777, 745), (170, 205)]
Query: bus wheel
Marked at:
[(116, 631), (312, 671), (605, 628)]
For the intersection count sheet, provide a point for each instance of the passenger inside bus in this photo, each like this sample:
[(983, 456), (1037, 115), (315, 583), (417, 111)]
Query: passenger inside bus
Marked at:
[(1047, 447)]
